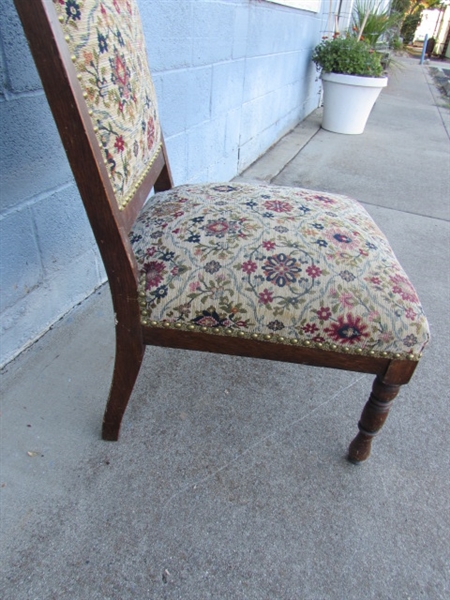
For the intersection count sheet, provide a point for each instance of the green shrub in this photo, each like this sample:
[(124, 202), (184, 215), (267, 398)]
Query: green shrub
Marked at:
[(347, 55)]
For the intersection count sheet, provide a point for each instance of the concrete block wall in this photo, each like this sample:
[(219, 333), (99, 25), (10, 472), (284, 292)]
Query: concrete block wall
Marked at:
[(232, 77), (48, 258)]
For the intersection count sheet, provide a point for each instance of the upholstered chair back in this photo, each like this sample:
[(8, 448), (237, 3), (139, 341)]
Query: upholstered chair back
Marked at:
[(107, 48)]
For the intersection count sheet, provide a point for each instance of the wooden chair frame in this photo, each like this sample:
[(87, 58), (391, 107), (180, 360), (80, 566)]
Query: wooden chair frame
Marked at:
[(111, 227)]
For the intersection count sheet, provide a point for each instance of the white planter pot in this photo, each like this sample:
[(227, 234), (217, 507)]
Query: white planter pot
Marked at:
[(348, 100)]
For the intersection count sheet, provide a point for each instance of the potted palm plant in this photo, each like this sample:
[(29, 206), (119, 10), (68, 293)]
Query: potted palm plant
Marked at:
[(351, 73)]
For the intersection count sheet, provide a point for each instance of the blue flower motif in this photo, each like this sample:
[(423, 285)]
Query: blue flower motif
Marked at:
[(102, 43), (212, 267), (268, 215), (224, 188), (120, 38), (275, 325), (303, 209), (347, 276), (342, 239), (281, 269), (194, 238), (410, 340), (161, 292), (167, 256), (318, 226), (73, 10), (321, 243), (198, 219)]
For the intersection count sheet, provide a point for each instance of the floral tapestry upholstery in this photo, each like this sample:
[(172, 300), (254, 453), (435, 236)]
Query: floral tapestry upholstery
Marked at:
[(284, 265), (108, 51)]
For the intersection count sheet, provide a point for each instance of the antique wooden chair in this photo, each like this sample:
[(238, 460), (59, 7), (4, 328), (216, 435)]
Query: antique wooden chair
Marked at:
[(263, 271)]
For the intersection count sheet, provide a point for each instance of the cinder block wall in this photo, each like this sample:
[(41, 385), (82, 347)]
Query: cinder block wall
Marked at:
[(232, 77)]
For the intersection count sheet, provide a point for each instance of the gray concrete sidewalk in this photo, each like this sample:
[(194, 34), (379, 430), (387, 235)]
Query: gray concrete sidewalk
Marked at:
[(230, 479)]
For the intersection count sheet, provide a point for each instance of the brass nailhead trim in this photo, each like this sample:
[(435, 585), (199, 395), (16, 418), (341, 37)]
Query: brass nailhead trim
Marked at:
[(125, 201), (267, 337)]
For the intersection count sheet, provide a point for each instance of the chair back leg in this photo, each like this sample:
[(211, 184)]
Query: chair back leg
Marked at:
[(129, 354)]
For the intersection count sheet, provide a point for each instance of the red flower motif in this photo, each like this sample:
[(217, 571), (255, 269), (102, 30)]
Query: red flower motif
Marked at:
[(249, 267), (154, 272), (347, 331), (268, 245), (121, 71), (278, 206), (207, 321), (404, 288), (324, 313), (375, 280), (150, 133), (116, 6), (313, 271), (218, 228), (119, 144), (310, 328), (265, 297)]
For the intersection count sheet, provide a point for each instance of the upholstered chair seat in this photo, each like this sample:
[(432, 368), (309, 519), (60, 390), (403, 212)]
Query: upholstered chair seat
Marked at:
[(283, 265)]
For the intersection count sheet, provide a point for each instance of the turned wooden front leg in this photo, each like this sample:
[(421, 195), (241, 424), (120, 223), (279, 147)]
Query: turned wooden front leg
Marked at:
[(372, 419)]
